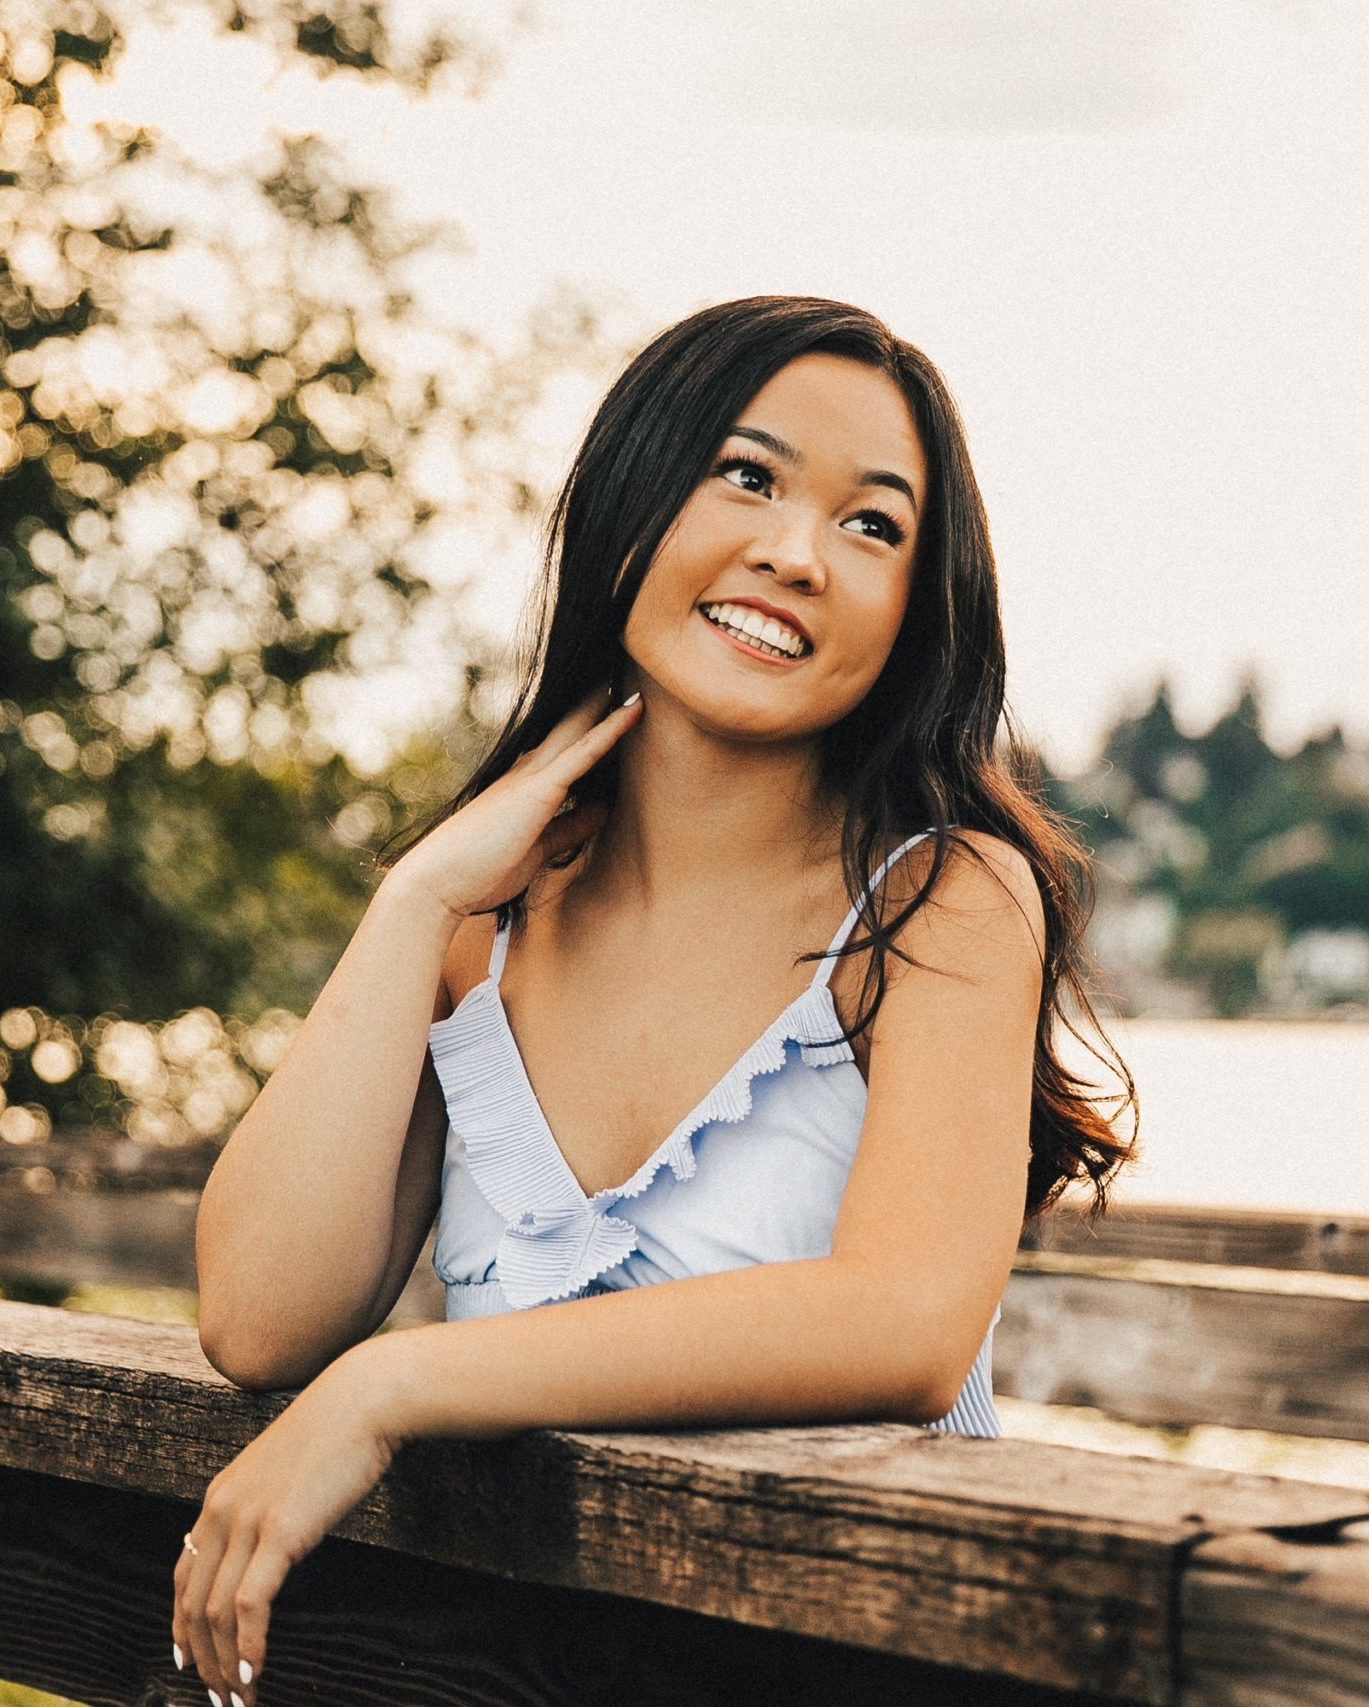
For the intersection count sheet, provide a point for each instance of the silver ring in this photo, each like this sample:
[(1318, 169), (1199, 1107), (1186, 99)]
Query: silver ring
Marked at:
[(191, 1545)]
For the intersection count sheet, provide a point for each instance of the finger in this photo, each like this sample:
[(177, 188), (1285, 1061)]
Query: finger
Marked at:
[(583, 754), (571, 727), (190, 1627), (569, 829), (222, 1613), (182, 1653), (266, 1571)]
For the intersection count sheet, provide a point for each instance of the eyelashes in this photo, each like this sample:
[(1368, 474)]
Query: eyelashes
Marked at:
[(896, 532)]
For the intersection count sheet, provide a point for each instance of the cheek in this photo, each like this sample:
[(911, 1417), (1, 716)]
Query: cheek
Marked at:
[(689, 552), (657, 611), (870, 630), (876, 617), (680, 574)]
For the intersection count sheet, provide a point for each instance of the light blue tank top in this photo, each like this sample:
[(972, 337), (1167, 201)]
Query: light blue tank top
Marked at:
[(754, 1173)]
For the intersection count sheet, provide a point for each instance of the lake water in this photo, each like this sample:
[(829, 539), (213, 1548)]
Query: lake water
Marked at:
[(1252, 1114)]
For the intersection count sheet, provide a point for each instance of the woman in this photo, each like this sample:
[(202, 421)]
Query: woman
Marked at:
[(766, 697)]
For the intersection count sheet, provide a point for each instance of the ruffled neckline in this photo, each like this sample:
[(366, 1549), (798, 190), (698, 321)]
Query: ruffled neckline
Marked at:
[(557, 1239), (810, 1020)]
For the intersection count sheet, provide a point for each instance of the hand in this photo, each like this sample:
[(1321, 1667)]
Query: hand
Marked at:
[(497, 843), (263, 1512)]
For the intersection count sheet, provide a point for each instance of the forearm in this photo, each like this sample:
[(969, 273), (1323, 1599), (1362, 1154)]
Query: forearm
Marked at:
[(296, 1220), (803, 1341)]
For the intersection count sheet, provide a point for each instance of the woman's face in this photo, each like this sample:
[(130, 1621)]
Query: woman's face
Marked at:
[(812, 508)]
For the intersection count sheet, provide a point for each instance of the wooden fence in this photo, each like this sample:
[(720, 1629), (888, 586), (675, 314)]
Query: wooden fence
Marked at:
[(828, 1565)]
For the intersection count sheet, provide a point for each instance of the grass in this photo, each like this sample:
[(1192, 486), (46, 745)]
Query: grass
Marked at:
[(141, 1303), (15, 1695)]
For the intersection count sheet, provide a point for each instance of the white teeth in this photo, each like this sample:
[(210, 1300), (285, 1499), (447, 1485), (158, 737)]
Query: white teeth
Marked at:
[(762, 632)]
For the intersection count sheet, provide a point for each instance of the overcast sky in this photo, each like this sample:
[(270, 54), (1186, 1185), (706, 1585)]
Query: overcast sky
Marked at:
[(1132, 235)]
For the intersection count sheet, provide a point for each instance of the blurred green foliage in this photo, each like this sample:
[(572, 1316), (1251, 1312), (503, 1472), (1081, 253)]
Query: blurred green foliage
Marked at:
[(212, 509), (1261, 860)]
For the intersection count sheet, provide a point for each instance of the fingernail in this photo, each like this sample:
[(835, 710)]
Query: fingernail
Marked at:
[(178, 1656), (631, 699), (244, 1671), (215, 1699), (236, 1699)]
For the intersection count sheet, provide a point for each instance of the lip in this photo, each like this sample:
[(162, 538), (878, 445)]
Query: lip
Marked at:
[(749, 651), (767, 609)]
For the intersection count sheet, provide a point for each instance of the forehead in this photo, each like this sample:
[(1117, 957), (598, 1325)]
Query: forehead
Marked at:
[(827, 403)]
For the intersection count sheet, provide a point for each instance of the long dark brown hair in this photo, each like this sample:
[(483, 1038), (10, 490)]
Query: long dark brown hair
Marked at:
[(917, 753)]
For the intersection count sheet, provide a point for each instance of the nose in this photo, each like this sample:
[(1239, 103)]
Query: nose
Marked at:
[(789, 548)]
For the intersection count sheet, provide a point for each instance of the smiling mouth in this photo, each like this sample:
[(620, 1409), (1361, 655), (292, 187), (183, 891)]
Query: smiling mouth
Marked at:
[(757, 648)]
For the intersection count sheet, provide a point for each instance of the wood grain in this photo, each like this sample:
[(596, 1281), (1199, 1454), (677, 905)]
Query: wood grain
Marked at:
[(1271, 1619), (85, 1583), (1158, 1342), (1235, 1238), (1038, 1564)]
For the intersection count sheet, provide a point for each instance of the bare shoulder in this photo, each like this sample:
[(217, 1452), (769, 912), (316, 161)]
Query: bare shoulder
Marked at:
[(988, 889), (466, 963)]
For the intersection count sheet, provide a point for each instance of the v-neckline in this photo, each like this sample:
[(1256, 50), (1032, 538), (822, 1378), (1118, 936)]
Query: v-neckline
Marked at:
[(553, 1144), (818, 989)]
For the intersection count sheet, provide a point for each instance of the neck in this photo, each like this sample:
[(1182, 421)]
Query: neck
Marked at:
[(706, 819)]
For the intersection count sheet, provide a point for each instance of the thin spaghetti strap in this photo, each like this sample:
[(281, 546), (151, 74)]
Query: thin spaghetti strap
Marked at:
[(499, 952), (824, 971)]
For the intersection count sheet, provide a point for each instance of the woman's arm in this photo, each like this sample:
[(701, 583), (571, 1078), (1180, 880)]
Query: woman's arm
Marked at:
[(297, 1219), (888, 1325), (314, 1205), (885, 1327), (778, 1342)]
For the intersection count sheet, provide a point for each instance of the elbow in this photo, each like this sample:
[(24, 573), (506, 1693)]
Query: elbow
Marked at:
[(906, 1378), (936, 1406), (922, 1386), (248, 1362), (921, 1401)]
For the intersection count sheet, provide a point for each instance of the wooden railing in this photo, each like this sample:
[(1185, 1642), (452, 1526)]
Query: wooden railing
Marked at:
[(831, 1565), (1157, 1315)]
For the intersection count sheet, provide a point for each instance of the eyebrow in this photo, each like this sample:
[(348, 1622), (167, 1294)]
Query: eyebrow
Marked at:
[(788, 453)]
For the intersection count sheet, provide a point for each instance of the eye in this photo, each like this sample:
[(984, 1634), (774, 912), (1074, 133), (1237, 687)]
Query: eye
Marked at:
[(895, 532), (749, 463)]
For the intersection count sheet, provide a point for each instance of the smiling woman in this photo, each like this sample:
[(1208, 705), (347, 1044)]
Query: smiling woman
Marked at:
[(793, 539), (755, 728)]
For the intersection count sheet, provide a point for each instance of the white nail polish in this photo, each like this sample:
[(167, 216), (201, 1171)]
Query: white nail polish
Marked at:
[(236, 1699), (215, 1699), (244, 1671), (632, 699), (178, 1656)]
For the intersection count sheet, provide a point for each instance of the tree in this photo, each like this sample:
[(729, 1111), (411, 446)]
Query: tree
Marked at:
[(210, 514)]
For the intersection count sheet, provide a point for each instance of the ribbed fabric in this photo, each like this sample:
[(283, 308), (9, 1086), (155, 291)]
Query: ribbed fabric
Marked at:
[(516, 1231)]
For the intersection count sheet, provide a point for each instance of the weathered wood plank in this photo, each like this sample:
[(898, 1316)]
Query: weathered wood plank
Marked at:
[(85, 1584), (1238, 1238), (76, 1238), (1043, 1564), (1270, 1620), (1157, 1342), (1146, 1340)]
